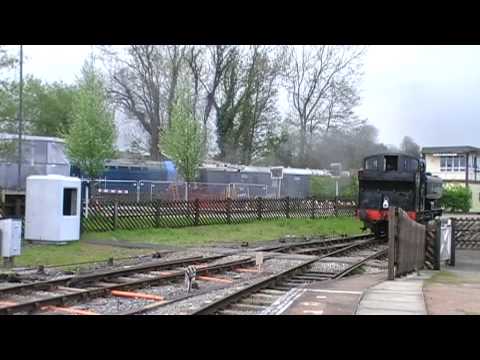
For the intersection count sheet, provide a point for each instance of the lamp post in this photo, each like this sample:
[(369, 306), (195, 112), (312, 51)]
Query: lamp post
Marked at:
[(20, 121)]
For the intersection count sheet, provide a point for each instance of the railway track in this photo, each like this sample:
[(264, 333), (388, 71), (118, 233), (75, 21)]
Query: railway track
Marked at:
[(303, 247), (69, 294), (268, 293), (76, 289)]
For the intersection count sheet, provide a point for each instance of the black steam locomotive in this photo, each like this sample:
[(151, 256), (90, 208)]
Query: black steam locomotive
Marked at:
[(400, 180)]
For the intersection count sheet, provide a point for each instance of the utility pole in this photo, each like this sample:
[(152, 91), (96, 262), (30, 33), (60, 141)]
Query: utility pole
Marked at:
[(20, 121)]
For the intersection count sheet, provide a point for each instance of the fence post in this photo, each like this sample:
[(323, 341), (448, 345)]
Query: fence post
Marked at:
[(391, 243), (82, 216), (438, 241), (259, 208), (287, 207), (115, 215), (229, 211), (312, 200), (197, 211), (452, 244), (335, 207), (157, 213)]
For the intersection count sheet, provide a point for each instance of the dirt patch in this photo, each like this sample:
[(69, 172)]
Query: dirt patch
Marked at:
[(453, 293)]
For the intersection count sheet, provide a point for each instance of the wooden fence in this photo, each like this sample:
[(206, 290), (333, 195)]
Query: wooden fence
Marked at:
[(466, 233), (406, 244), (169, 214)]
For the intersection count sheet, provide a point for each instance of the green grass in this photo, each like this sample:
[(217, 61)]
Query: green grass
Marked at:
[(444, 277), (251, 232), (77, 252), (447, 277)]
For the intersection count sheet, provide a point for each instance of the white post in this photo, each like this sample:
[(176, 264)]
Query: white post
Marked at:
[(138, 191), (336, 188), (186, 191), (86, 200)]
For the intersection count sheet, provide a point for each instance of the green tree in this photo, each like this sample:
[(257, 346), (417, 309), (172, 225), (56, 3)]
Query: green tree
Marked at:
[(51, 107), (183, 141), (90, 140), (47, 107), (456, 198)]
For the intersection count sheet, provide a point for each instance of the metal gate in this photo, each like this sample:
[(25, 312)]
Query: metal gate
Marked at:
[(466, 233), (445, 239)]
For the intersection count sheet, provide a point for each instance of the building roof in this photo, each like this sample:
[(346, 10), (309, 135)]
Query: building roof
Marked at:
[(449, 149), (6, 136)]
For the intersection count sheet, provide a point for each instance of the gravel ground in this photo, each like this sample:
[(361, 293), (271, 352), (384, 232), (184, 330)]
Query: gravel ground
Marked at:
[(187, 306), (207, 291)]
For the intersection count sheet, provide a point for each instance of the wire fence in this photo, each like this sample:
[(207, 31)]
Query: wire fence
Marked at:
[(107, 216), (149, 190)]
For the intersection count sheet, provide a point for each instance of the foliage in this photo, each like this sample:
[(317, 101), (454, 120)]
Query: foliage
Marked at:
[(456, 198), (324, 187), (183, 141), (90, 140), (247, 116), (46, 107), (8, 150)]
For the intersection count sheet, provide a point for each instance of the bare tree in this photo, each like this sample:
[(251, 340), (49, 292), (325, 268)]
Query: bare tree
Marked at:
[(143, 83), (313, 80)]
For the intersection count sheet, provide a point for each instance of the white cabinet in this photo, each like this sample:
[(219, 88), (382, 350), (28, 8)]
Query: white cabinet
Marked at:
[(10, 237)]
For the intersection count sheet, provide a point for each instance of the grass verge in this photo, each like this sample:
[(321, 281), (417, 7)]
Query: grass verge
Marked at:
[(77, 252), (251, 232)]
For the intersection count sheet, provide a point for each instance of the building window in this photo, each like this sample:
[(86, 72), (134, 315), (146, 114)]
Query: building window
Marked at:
[(69, 202), (452, 163)]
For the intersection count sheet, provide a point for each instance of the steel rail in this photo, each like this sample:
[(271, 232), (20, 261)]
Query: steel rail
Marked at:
[(238, 295), (358, 264), (105, 290), (77, 279), (273, 280), (280, 248)]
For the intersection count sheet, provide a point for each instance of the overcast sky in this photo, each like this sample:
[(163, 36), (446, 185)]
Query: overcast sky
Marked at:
[(431, 93)]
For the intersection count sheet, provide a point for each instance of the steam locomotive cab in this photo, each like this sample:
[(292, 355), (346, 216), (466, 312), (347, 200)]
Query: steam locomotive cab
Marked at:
[(396, 180)]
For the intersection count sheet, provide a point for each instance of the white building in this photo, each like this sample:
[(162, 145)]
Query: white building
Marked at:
[(456, 165)]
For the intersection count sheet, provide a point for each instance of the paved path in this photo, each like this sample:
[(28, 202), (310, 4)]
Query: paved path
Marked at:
[(399, 297), (331, 297)]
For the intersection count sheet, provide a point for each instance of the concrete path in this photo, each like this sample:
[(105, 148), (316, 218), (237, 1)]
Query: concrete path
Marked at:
[(399, 297)]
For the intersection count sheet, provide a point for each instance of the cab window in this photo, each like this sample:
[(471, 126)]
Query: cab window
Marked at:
[(371, 164)]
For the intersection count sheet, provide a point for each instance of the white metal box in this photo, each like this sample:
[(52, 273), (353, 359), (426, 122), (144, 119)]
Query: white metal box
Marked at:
[(10, 237), (52, 208)]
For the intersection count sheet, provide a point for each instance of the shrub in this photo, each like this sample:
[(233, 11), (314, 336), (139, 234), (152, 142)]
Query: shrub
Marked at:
[(456, 198), (324, 187)]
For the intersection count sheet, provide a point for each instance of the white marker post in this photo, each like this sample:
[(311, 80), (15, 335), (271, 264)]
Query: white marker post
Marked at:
[(259, 261)]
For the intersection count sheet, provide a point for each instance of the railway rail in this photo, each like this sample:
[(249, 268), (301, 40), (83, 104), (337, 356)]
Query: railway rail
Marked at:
[(69, 293), (111, 283), (258, 297), (297, 247)]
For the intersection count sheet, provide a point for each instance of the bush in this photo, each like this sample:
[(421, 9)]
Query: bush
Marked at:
[(456, 198), (324, 187)]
